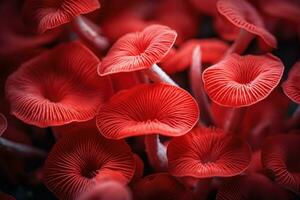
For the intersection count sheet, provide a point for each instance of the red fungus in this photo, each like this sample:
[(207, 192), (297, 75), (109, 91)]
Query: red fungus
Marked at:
[(78, 162), (3, 124), (280, 157), (47, 90), (207, 7), (206, 153), (249, 187), (158, 109), (140, 50), (244, 16), (160, 186), (239, 81), (49, 14), (108, 190)]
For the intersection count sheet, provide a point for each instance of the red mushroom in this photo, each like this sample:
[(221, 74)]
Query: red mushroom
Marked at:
[(244, 16), (159, 109), (280, 157), (291, 89), (108, 190), (79, 162), (241, 81), (249, 187), (206, 153), (207, 7), (160, 186), (47, 90), (49, 14), (140, 51)]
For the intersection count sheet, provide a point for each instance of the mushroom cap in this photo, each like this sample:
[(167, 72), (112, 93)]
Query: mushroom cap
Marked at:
[(108, 190), (207, 152), (49, 14), (139, 50), (3, 124), (291, 87), (249, 187), (160, 186), (47, 90), (212, 50), (77, 162), (148, 109), (280, 155), (239, 81), (243, 15)]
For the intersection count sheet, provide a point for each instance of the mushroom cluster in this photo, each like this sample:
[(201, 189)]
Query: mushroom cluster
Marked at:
[(150, 100)]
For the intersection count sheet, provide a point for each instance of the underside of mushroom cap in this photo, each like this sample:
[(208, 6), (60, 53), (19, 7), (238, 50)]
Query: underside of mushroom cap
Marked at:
[(137, 51), (49, 14), (206, 153), (47, 90), (148, 109), (239, 81)]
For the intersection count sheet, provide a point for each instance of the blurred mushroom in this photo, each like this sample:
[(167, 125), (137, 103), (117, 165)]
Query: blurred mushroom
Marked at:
[(244, 16), (279, 156)]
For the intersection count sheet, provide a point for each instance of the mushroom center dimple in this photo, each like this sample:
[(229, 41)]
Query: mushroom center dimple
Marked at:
[(90, 169), (245, 76)]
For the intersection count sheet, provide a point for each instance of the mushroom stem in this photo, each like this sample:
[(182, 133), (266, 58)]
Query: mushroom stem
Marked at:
[(156, 152), (235, 119), (198, 88), (156, 74), (241, 43), (89, 33), (21, 149)]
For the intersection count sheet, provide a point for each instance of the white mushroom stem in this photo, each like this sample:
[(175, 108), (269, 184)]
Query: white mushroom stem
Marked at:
[(156, 74), (89, 33), (21, 149), (198, 88), (156, 152), (241, 43)]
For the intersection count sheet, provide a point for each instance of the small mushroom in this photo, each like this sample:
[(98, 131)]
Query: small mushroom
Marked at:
[(279, 156), (241, 81), (80, 161), (49, 14), (140, 51), (207, 153), (244, 16), (159, 109), (47, 90)]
